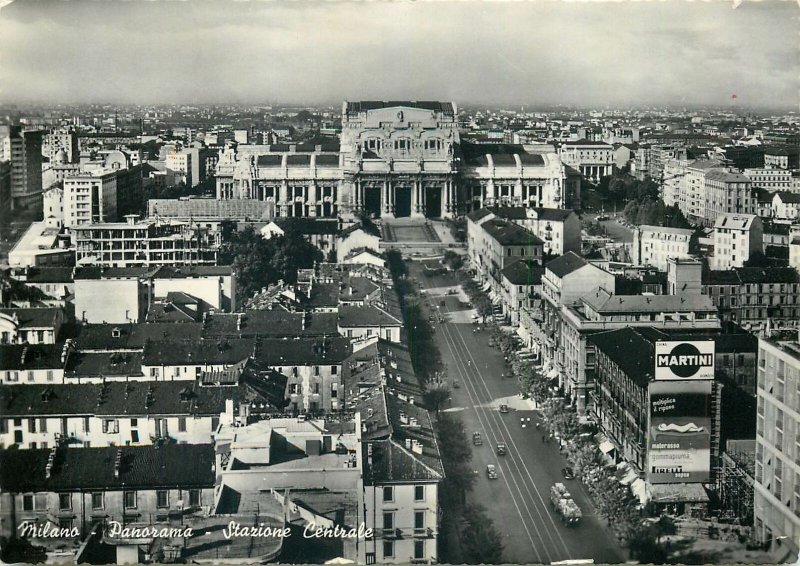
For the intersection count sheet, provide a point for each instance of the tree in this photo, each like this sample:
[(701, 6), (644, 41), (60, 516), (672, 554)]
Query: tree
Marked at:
[(482, 541), (453, 260), (436, 394)]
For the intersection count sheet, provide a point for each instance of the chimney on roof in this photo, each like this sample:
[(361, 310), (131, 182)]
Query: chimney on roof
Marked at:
[(117, 462)]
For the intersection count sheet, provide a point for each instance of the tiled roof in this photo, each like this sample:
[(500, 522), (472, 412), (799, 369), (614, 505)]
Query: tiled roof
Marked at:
[(276, 323), (788, 197), (103, 364), (355, 316), (49, 275), (510, 234), (132, 336), (726, 176), (30, 357), (632, 349), (197, 352), (141, 467), (117, 398), (566, 264), (587, 142), (476, 215), (322, 295), (768, 274), (524, 273), (35, 317), (303, 351)]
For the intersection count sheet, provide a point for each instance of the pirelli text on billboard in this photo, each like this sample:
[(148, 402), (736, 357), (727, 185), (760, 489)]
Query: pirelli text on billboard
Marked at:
[(681, 360)]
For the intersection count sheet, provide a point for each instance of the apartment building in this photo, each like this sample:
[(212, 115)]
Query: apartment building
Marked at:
[(601, 310), (726, 192), (559, 229), (594, 159), (31, 325), (149, 243), (90, 198), (777, 473), (786, 205), (736, 238), (654, 245), (770, 178)]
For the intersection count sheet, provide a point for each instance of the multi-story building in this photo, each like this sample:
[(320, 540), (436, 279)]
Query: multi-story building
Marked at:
[(794, 246), (654, 245), (640, 392), (116, 413), (185, 161), (122, 295), (395, 159), (90, 198), (62, 139), (675, 171), (786, 205), (692, 195), (726, 192), (521, 281), (601, 310), (770, 178), (594, 160), (736, 238), (149, 243), (43, 243), (497, 244), (558, 228), (26, 166), (127, 484), (777, 473), (782, 157), (31, 325), (750, 296)]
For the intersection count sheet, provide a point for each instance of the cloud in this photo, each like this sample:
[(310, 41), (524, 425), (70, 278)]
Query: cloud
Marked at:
[(515, 53)]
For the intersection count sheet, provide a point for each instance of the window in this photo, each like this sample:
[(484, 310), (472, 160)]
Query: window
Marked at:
[(130, 499), (134, 436), (65, 523), (162, 498), (316, 388), (49, 375), (388, 493), (419, 492), (110, 426), (64, 501), (419, 519), (30, 375), (17, 436), (388, 520), (194, 498), (316, 370), (334, 369), (181, 424), (388, 548), (419, 549), (27, 502), (97, 501)]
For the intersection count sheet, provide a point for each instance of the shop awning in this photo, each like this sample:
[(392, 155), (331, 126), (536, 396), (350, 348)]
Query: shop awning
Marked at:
[(523, 333), (606, 447), (678, 493), (626, 475), (487, 287), (639, 490), (552, 374)]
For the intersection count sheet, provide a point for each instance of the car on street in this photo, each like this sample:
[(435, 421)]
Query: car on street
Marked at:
[(503, 408), (476, 438), (568, 473), (491, 471), (501, 448), (456, 384)]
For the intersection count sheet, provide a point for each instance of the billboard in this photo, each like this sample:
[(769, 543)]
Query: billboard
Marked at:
[(679, 432), (680, 360)]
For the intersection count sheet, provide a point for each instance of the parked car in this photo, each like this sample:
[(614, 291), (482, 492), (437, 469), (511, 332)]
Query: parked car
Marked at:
[(476, 438), (491, 471), (501, 448), (568, 473), (503, 408)]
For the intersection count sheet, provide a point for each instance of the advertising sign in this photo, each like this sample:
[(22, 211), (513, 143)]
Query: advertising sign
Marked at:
[(679, 433), (684, 360)]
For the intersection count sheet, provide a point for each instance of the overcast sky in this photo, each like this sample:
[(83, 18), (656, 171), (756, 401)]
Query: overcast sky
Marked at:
[(530, 53)]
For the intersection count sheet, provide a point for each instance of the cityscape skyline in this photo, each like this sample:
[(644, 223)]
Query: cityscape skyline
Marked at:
[(508, 54)]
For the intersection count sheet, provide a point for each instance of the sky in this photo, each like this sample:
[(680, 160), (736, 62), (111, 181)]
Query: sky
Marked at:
[(305, 52)]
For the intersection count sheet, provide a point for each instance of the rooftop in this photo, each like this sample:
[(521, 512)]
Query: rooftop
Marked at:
[(46, 317), (367, 105), (524, 272), (30, 357), (510, 234), (632, 349), (355, 316), (604, 302), (276, 352), (140, 467), (566, 264), (735, 221)]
